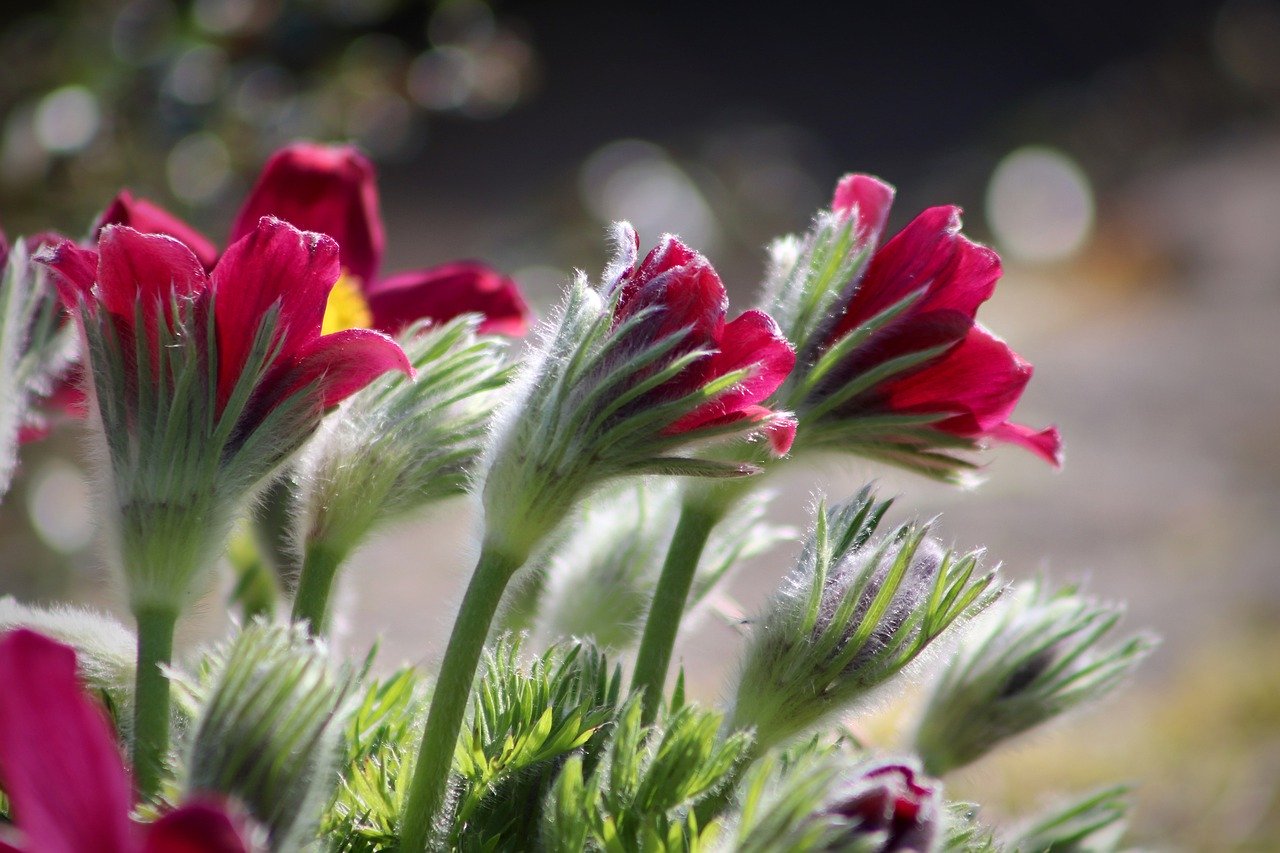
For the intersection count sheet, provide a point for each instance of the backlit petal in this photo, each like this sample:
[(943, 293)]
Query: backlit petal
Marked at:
[(274, 263), (444, 292), (871, 197), (150, 218), (331, 189)]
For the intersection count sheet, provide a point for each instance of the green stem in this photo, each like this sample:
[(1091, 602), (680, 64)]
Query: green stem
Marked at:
[(449, 698), (669, 600), (151, 698), (311, 603)]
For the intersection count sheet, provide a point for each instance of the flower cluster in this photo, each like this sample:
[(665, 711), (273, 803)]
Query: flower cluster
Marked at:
[(280, 400)]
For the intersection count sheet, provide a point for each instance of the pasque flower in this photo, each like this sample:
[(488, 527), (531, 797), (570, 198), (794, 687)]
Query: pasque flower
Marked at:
[(628, 375), (68, 790), (895, 365), (203, 385), (642, 366)]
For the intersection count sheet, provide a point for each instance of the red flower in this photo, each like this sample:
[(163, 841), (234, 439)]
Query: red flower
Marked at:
[(688, 294), (978, 378), (275, 266), (59, 765), (332, 189)]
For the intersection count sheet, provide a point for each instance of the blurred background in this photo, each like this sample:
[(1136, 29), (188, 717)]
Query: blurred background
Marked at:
[(1124, 158)]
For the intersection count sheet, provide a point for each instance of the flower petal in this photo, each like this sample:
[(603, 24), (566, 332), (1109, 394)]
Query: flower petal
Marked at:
[(326, 188), (1045, 443), (444, 292), (198, 827), (58, 760), (74, 271), (752, 341), (153, 267), (150, 218), (957, 275), (344, 362), (871, 197), (979, 381), (274, 263)]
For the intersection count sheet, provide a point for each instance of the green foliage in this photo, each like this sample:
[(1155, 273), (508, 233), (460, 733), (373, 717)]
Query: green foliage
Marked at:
[(377, 750), (642, 796), (525, 720)]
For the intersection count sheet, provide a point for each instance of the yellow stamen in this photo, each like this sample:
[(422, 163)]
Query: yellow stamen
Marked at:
[(346, 308)]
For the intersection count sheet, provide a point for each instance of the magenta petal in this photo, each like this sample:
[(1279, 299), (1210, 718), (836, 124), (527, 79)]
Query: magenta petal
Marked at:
[(274, 263), (153, 267), (344, 362), (74, 271), (1045, 443), (978, 381), (663, 261), (58, 760), (753, 341), (871, 197), (444, 292), (957, 274), (151, 218), (326, 188), (199, 827)]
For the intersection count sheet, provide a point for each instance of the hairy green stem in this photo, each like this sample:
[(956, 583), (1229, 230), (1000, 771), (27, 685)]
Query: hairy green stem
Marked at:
[(311, 602), (151, 698), (431, 771), (669, 600)]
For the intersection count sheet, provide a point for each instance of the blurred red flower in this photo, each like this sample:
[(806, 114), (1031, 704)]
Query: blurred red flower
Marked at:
[(59, 765)]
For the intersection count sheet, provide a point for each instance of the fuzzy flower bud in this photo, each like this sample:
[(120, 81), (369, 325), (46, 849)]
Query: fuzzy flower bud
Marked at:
[(394, 447), (630, 374), (272, 712), (852, 615), (1040, 655), (891, 361)]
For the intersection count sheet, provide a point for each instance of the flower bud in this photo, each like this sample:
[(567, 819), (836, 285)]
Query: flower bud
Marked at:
[(629, 374), (1038, 656), (851, 616), (267, 735), (891, 362), (397, 445)]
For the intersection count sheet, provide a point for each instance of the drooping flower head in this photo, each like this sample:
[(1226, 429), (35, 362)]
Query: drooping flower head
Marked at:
[(68, 788), (631, 372), (895, 365), (205, 382)]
